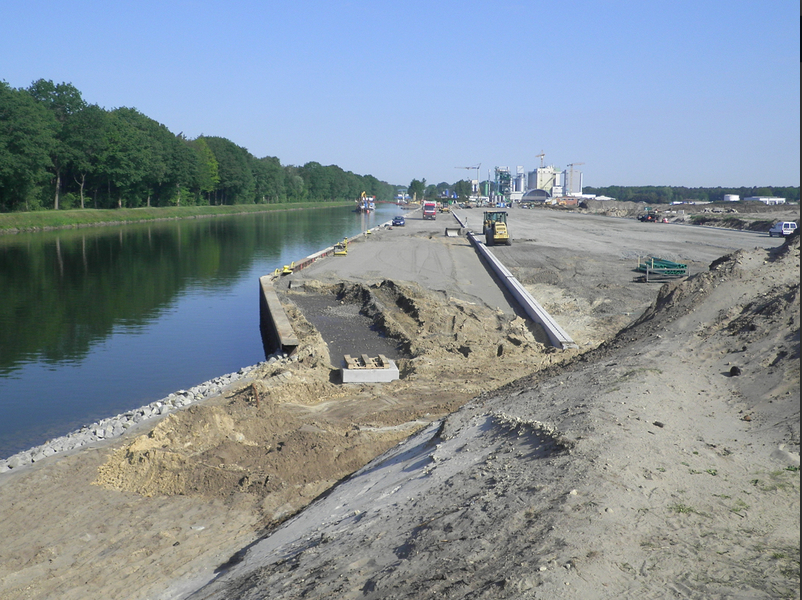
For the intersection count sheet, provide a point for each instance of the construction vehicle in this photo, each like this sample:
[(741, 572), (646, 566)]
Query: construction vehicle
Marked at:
[(494, 228), (429, 209)]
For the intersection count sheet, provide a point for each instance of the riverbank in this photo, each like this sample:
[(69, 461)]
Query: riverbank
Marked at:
[(47, 220), (555, 471), (133, 420)]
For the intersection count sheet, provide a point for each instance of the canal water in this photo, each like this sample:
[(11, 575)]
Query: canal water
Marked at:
[(98, 321)]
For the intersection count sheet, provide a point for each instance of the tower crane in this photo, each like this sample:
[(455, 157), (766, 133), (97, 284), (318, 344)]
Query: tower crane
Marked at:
[(477, 167), (541, 156), (571, 177)]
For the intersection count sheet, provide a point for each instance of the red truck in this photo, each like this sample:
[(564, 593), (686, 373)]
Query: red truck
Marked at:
[(429, 210)]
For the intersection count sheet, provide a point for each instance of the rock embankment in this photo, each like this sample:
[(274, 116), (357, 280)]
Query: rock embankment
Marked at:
[(113, 427)]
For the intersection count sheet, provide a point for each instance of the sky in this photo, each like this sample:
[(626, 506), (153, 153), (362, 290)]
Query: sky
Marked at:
[(683, 93)]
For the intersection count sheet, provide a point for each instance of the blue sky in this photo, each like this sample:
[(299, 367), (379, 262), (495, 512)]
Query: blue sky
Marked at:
[(651, 93)]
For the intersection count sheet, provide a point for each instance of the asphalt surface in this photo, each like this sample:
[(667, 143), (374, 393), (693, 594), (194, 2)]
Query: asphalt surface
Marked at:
[(419, 252), (592, 257)]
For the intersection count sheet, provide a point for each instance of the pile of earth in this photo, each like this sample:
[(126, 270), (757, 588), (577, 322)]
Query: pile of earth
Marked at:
[(664, 462), (289, 432)]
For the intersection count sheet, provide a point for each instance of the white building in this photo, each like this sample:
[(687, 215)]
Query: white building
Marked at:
[(731, 197), (545, 178), (518, 185), (765, 199), (573, 182)]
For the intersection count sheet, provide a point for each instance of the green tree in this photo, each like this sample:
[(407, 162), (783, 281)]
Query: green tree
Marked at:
[(236, 184), (208, 171), (53, 145), (184, 169), (463, 189), (64, 101), (123, 159), (271, 180), (84, 133), (295, 183), (26, 142), (416, 189), (317, 180)]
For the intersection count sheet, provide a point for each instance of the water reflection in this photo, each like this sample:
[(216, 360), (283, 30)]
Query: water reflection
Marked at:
[(63, 291), (98, 321)]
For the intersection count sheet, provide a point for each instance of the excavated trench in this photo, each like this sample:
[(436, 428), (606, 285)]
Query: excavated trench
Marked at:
[(346, 329)]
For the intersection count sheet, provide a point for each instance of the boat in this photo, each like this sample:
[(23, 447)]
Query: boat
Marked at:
[(366, 203)]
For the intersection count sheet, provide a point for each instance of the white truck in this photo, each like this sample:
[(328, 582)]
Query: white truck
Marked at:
[(782, 229)]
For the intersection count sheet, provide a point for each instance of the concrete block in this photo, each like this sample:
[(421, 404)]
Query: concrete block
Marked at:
[(371, 375)]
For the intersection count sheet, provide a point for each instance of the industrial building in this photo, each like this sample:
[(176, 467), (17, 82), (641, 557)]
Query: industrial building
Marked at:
[(542, 184), (765, 199), (548, 179)]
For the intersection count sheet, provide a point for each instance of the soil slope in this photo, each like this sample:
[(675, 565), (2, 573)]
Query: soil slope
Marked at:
[(685, 473), (664, 462)]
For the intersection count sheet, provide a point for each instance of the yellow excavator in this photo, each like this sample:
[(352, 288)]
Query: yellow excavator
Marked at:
[(495, 228)]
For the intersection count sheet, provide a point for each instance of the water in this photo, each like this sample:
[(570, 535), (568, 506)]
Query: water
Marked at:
[(94, 322)]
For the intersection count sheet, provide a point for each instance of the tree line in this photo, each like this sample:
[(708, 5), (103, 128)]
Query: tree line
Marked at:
[(418, 188), (668, 194), (57, 152)]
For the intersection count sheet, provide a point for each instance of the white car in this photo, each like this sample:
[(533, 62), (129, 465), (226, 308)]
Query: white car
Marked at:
[(782, 228)]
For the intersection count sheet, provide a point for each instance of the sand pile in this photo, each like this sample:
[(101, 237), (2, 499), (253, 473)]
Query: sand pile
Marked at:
[(289, 432), (665, 461)]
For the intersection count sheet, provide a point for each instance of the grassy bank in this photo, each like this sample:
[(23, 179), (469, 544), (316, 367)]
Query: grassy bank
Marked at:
[(89, 217)]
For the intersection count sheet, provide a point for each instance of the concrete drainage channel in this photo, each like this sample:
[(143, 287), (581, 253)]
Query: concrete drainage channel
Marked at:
[(557, 336), (342, 327)]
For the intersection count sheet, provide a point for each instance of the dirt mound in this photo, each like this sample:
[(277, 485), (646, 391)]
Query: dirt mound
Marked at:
[(664, 461), (281, 438)]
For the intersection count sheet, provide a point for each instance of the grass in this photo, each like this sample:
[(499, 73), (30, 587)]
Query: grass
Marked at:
[(681, 509), (64, 219), (739, 506), (783, 479)]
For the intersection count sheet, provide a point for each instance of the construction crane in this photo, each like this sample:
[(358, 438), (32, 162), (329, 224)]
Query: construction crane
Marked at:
[(477, 167), (571, 177), (541, 156)]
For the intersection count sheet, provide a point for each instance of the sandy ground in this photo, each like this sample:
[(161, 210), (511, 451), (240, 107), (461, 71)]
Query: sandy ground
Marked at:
[(636, 466)]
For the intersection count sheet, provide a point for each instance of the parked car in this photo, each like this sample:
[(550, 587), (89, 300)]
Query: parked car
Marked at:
[(782, 228), (399, 221)]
